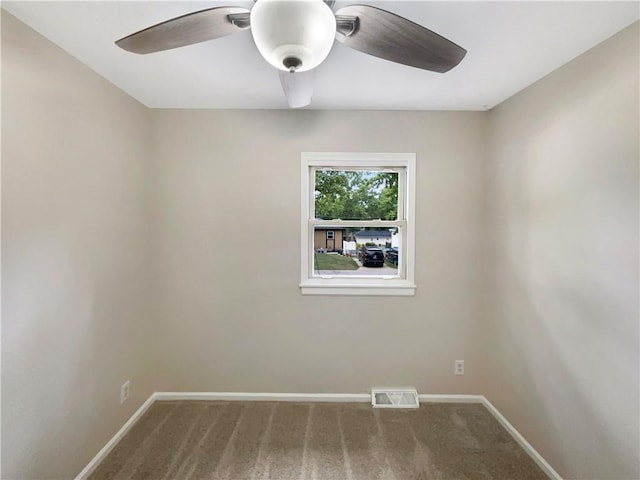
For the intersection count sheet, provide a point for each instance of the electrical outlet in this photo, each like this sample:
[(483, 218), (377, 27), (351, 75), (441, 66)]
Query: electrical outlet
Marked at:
[(124, 391), (458, 367)]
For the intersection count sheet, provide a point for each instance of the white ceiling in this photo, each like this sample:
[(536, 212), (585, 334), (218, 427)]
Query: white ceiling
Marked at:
[(510, 45)]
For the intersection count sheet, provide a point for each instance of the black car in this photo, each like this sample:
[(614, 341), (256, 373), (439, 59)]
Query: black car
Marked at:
[(392, 256), (372, 257)]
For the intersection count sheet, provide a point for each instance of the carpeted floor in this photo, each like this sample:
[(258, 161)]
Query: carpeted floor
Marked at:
[(340, 441)]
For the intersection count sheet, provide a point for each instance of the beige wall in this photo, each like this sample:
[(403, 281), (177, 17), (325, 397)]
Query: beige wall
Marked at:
[(233, 315), (75, 237), (563, 226)]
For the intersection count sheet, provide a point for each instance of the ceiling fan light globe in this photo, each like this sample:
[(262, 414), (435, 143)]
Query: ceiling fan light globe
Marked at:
[(304, 29)]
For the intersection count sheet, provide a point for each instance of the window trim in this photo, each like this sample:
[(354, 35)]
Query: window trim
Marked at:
[(333, 235), (344, 285)]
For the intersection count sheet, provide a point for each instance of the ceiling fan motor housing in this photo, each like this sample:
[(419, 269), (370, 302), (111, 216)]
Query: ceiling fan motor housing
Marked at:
[(293, 35)]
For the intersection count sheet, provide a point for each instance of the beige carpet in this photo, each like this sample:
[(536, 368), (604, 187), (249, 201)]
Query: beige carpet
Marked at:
[(286, 441)]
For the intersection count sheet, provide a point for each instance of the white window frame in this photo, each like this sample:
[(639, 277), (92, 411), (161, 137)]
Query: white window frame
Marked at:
[(405, 164), (333, 235)]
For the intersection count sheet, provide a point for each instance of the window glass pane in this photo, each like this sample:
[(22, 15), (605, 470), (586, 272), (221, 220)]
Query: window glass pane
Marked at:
[(356, 195), (356, 251)]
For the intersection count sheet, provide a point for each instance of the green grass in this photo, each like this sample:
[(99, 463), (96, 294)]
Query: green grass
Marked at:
[(326, 261)]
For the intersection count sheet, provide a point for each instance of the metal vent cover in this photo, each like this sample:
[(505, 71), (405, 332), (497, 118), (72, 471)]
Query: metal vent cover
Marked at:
[(394, 398)]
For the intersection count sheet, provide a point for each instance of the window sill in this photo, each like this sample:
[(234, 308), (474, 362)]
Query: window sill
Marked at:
[(313, 288)]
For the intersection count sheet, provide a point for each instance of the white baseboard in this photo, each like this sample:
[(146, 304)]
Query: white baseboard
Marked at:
[(526, 446), (312, 397), (95, 461), (266, 397), (307, 397), (434, 398)]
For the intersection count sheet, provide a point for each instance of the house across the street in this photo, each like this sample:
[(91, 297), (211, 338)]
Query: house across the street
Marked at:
[(380, 237)]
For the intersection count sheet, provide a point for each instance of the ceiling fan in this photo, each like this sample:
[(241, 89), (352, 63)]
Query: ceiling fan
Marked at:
[(295, 36)]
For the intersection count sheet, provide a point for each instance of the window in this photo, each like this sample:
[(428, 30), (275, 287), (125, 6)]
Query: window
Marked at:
[(363, 203)]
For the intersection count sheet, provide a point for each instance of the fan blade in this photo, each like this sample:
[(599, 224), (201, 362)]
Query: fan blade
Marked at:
[(298, 87), (188, 29), (391, 37)]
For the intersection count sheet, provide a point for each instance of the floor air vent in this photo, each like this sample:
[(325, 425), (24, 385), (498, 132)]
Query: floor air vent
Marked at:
[(394, 398)]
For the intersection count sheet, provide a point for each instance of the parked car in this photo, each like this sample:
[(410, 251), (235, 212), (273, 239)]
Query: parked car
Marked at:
[(392, 256), (372, 257)]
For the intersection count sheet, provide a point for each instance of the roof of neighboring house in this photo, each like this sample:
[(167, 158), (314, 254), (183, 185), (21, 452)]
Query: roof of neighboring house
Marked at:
[(329, 228), (373, 233)]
